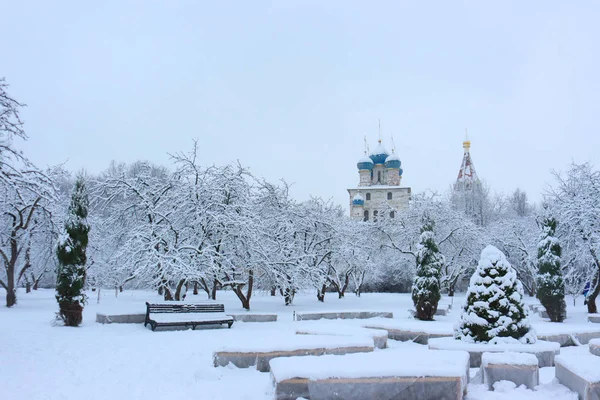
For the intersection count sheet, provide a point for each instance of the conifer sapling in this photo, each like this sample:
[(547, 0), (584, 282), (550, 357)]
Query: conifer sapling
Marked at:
[(71, 254), (494, 311), (426, 286), (550, 283)]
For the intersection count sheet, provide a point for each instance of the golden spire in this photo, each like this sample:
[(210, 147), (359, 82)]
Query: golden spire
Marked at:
[(467, 142)]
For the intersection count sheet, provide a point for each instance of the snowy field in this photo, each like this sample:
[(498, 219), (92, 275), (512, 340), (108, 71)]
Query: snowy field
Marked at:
[(127, 361)]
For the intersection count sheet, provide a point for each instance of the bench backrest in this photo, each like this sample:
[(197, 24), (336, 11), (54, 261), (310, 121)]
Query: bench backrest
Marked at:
[(185, 308)]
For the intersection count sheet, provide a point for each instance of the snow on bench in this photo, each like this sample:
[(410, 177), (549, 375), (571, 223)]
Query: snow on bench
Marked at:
[(260, 352), (425, 375), (306, 316), (544, 351), (379, 336), (520, 368), (581, 374), (413, 330), (171, 314)]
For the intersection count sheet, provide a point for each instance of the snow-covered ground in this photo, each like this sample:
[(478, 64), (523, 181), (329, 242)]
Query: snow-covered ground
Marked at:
[(39, 360)]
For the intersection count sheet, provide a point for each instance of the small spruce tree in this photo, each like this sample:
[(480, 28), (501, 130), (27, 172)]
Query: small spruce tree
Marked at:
[(71, 254), (494, 307), (550, 283), (426, 286)]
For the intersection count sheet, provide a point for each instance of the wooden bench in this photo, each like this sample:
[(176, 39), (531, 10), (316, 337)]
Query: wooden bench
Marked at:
[(177, 314)]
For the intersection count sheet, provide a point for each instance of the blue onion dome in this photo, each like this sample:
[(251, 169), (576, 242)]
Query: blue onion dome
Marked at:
[(358, 200), (365, 163), (379, 154), (392, 161)]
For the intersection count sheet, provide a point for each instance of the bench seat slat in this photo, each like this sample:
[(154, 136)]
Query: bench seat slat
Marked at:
[(190, 317)]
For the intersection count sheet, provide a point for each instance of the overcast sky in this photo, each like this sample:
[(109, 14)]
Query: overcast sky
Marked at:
[(291, 88)]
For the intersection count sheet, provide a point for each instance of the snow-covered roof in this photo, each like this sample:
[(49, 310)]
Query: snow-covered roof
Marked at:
[(392, 157), (379, 149), (365, 159), (358, 197)]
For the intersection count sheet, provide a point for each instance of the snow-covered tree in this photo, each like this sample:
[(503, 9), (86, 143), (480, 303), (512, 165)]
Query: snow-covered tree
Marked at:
[(71, 254), (494, 307), (426, 286), (550, 284), (24, 192), (575, 201)]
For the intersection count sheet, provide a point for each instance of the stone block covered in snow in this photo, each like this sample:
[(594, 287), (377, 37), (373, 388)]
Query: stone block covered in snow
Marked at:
[(260, 353), (594, 318), (247, 317), (104, 318), (520, 368), (595, 347), (544, 351), (379, 336), (581, 374), (426, 375), (307, 316), (413, 330)]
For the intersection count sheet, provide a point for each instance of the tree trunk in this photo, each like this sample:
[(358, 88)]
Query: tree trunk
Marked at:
[(343, 290), (121, 289), (213, 293), (288, 296), (27, 287), (195, 288), (36, 283), (451, 291), (321, 293), (245, 298), (273, 291), (167, 294), (11, 298), (591, 299), (160, 290), (179, 296)]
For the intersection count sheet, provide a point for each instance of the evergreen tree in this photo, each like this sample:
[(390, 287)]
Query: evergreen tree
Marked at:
[(550, 284), (494, 307), (426, 286), (71, 253)]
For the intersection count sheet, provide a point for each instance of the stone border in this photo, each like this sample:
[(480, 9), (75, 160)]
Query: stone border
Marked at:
[(417, 387), (310, 316), (566, 376), (261, 359), (405, 335), (103, 318), (254, 317), (594, 318), (545, 356), (379, 336), (595, 347)]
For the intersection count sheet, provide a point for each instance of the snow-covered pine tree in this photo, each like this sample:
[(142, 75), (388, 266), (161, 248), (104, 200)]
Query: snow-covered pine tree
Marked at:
[(550, 284), (71, 254), (494, 307), (426, 286)]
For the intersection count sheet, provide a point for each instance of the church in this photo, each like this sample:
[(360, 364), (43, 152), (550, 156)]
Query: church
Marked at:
[(379, 190)]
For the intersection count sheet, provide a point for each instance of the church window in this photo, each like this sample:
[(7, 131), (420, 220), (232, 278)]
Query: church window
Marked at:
[(378, 176), (366, 217), (375, 215), (392, 214), (389, 195), (368, 196)]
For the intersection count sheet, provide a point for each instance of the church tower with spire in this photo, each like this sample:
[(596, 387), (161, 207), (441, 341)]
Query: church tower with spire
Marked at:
[(468, 193), (378, 191)]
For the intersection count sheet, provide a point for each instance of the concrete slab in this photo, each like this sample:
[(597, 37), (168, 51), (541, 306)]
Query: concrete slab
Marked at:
[(308, 316), (595, 347), (520, 368), (580, 374), (372, 376), (544, 351), (120, 318), (260, 353), (379, 336), (254, 317)]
